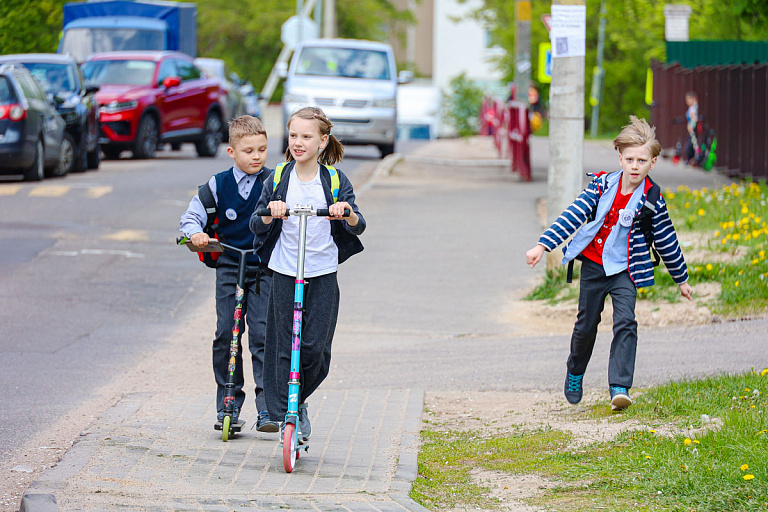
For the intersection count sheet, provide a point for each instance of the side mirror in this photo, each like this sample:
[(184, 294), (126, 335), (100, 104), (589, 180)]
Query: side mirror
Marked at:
[(405, 77), (171, 81), (91, 88), (282, 69)]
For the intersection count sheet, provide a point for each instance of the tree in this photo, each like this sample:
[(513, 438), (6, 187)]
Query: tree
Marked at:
[(28, 26)]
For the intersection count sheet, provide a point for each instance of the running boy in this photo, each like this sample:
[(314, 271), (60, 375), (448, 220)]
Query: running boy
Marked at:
[(304, 181), (615, 258), (236, 192)]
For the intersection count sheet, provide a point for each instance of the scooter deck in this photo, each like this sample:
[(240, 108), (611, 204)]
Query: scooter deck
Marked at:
[(235, 427)]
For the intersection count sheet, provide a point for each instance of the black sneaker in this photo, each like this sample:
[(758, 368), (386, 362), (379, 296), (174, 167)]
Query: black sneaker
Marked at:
[(264, 424), (620, 398), (305, 428), (573, 390)]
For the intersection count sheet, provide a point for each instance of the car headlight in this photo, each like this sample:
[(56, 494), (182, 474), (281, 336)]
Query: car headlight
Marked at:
[(295, 98), (384, 103), (119, 106)]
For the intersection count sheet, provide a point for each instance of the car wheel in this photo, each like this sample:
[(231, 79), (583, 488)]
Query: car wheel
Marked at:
[(176, 146), (67, 156), (111, 153), (37, 171), (146, 138), (93, 158), (386, 149), (208, 145)]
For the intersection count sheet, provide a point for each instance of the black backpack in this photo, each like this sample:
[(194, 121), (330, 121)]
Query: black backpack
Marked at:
[(643, 221)]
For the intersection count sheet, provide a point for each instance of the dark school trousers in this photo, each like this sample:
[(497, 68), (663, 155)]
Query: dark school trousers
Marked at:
[(595, 286), (321, 310), (254, 317)]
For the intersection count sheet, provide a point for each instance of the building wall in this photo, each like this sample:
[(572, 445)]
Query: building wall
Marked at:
[(415, 48), (460, 45)]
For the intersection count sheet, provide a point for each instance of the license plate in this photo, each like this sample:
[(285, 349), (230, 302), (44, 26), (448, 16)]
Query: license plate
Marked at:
[(343, 131)]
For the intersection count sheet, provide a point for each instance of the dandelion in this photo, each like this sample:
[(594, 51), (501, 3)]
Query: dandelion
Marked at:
[(748, 477), (687, 442), (744, 210), (755, 261), (761, 254), (647, 456), (651, 431), (747, 390), (709, 266), (701, 212), (744, 467), (764, 372), (696, 441), (736, 284)]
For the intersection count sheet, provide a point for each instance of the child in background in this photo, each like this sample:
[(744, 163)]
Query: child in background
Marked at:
[(615, 258), (236, 192), (305, 180)]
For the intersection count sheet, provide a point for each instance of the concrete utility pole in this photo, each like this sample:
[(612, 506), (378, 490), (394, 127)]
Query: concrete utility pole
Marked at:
[(596, 98), (329, 19), (522, 48), (566, 110)]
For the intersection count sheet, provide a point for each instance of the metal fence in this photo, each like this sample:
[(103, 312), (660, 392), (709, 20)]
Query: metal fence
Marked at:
[(733, 101)]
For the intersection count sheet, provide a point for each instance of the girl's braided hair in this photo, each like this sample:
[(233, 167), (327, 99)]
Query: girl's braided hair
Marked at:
[(334, 151)]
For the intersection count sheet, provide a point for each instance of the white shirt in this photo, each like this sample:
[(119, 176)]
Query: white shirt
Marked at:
[(321, 255)]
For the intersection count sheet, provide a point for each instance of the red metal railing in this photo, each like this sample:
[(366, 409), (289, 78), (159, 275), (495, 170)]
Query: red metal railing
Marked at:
[(509, 126)]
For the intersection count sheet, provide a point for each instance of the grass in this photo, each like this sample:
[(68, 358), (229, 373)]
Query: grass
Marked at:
[(730, 229), (706, 450)]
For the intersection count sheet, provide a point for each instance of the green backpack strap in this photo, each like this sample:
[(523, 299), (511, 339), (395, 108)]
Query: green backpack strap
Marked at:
[(335, 181), (278, 173)]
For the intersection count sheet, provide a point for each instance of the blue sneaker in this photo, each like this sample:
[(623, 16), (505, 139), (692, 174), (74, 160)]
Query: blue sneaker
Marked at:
[(573, 390), (235, 416), (264, 424), (620, 398)]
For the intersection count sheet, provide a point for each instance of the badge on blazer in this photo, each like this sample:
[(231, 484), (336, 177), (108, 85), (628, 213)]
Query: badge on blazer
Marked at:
[(231, 214), (626, 216)]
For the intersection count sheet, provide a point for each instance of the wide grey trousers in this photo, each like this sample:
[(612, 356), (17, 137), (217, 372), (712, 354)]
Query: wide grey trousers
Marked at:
[(321, 310)]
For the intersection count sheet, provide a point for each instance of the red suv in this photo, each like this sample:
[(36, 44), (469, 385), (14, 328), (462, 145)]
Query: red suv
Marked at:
[(149, 98)]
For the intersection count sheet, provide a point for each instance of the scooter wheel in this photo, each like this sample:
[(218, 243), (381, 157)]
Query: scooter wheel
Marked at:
[(226, 423), (290, 453)]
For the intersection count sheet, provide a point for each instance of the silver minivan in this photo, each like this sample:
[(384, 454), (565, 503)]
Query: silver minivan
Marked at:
[(354, 82)]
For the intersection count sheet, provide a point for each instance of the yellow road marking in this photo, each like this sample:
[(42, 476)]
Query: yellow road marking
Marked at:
[(97, 192), (127, 235), (9, 190), (49, 191)]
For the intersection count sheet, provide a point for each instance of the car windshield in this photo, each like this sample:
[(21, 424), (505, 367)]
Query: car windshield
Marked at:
[(126, 72), (53, 77), (81, 42), (343, 62)]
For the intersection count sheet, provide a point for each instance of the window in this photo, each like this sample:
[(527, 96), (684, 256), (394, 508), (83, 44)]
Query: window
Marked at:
[(167, 68), (188, 71)]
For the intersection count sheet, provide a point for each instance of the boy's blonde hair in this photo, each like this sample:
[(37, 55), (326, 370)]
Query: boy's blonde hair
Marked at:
[(637, 133), (243, 126)]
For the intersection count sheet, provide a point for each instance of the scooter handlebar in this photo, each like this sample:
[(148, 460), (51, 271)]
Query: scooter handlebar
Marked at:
[(320, 212)]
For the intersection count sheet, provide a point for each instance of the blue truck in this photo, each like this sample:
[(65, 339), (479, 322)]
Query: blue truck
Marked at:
[(114, 25)]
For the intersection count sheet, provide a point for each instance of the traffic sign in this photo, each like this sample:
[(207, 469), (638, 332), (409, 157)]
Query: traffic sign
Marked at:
[(297, 29), (545, 63), (547, 20)]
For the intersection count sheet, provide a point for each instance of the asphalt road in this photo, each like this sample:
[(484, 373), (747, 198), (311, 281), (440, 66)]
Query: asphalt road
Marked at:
[(91, 279)]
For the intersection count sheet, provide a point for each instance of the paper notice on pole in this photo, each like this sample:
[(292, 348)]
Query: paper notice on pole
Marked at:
[(569, 30)]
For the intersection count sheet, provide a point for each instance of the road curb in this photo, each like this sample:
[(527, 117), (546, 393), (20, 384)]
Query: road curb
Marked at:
[(39, 503)]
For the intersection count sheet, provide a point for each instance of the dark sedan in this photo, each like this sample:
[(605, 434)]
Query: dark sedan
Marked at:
[(75, 100), (31, 131)]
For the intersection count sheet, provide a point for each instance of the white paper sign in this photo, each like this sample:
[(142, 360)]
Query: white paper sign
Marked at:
[(569, 30)]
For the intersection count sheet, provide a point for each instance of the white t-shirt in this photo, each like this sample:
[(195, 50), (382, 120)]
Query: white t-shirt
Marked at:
[(321, 256)]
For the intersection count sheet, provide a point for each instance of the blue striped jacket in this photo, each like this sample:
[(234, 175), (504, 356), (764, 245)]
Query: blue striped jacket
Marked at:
[(639, 257)]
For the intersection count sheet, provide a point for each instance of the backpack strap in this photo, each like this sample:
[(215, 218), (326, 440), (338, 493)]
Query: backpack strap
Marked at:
[(278, 174), (205, 194), (335, 180), (644, 220)]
